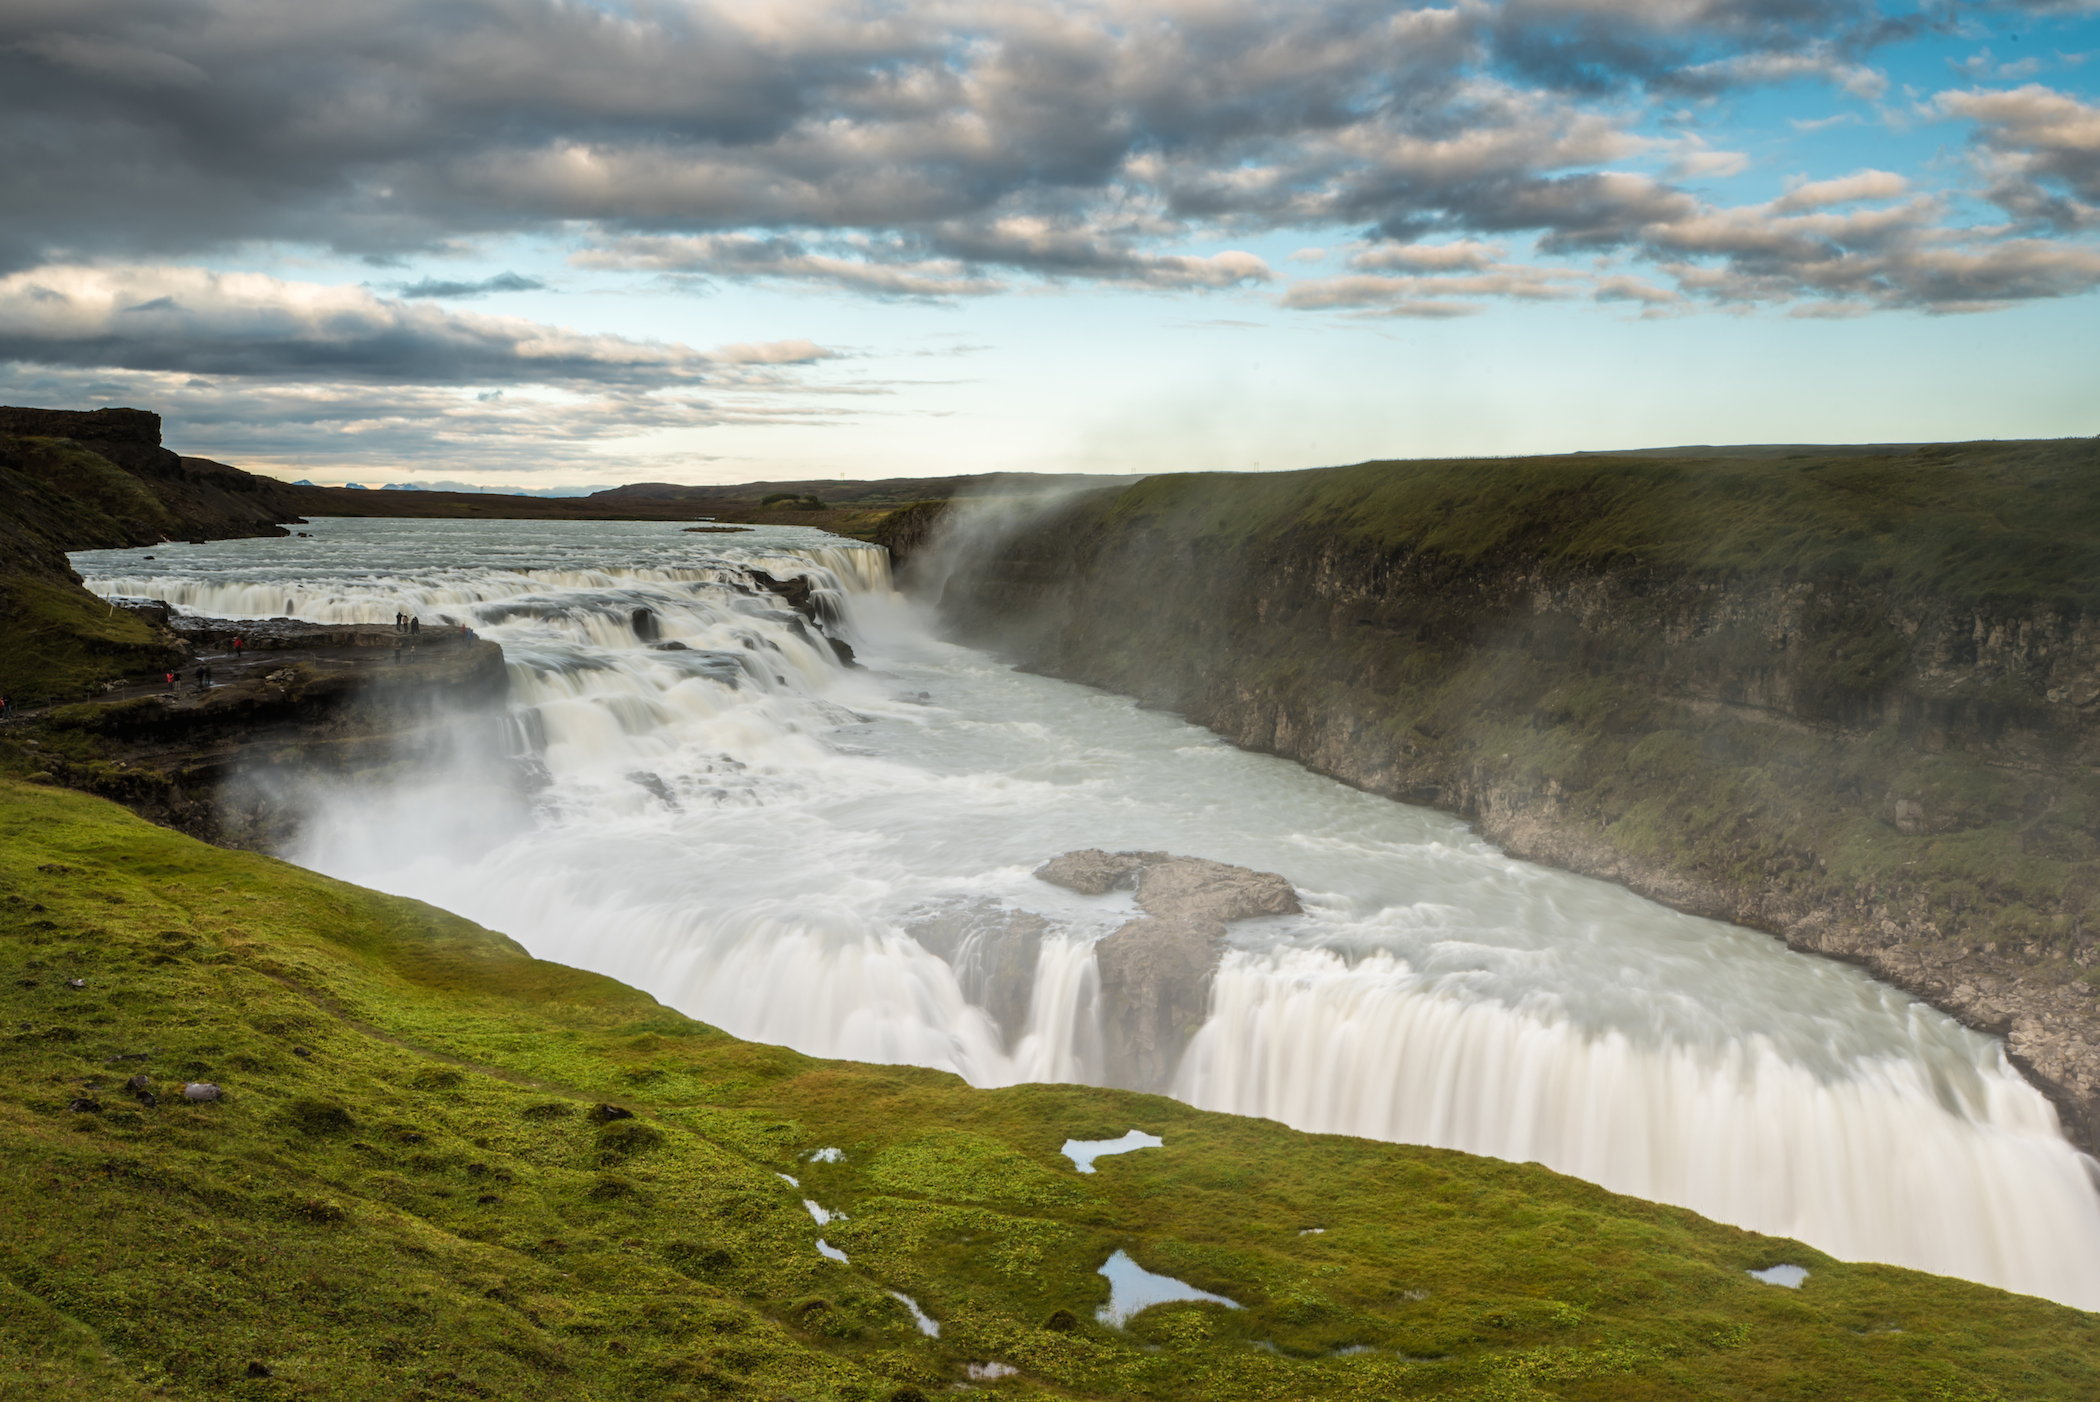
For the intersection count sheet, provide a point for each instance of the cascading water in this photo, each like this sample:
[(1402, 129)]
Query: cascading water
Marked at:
[(737, 822)]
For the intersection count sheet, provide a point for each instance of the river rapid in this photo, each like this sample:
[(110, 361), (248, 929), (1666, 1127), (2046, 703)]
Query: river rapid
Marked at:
[(747, 829)]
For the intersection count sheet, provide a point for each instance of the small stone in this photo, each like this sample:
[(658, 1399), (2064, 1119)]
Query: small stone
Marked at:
[(301, 1051), (606, 1114), (85, 1106), (200, 1090), (140, 1082), (260, 1369), (148, 1099), (76, 983)]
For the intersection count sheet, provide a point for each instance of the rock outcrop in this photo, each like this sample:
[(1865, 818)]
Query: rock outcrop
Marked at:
[(1156, 971), (993, 951)]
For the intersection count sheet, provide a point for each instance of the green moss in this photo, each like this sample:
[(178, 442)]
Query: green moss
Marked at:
[(59, 642), (409, 1191), (97, 486), (1980, 522)]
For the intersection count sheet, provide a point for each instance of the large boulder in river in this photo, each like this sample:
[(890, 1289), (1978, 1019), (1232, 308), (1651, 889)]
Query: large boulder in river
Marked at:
[(1156, 971), (993, 951), (1093, 872)]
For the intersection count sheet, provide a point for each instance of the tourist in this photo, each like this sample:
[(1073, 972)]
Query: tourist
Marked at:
[(415, 625), (236, 647)]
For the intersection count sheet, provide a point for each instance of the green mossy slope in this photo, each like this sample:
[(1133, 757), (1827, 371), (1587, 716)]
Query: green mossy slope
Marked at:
[(408, 1192), (1967, 523)]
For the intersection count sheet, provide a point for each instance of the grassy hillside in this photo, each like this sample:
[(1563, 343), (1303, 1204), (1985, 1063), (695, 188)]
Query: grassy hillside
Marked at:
[(409, 1190), (1991, 523)]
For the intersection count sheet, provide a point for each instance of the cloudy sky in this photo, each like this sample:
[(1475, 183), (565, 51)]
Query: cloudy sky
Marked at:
[(539, 243)]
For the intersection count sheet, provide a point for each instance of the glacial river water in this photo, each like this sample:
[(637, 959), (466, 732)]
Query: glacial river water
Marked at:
[(745, 828)]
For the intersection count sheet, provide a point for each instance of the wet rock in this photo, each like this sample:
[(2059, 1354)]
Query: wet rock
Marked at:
[(644, 622), (1155, 992), (1093, 872), (673, 646), (796, 592), (654, 784), (1156, 971), (843, 650), (201, 1091), (1193, 888), (993, 952)]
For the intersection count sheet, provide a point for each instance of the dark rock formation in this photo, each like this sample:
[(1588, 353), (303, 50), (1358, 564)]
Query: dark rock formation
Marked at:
[(1156, 971), (993, 951), (794, 591), (300, 708)]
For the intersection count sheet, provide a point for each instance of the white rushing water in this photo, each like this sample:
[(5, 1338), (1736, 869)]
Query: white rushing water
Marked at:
[(747, 829)]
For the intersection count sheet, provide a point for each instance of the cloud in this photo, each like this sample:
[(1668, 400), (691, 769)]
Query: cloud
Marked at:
[(192, 321), (928, 151), (1466, 254), (875, 270), (944, 152), (2039, 152), (501, 282), (1366, 291), (1820, 62), (1863, 185)]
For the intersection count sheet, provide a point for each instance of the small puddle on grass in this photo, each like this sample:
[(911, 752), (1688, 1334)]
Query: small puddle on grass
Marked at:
[(1083, 1152), (927, 1326), (1132, 1288), (1789, 1276)]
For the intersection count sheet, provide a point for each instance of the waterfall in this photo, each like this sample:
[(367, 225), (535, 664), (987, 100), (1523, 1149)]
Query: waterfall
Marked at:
[(839, 858)]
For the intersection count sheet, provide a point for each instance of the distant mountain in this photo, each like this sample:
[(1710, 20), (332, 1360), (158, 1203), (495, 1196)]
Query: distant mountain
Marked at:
[(889, 491)]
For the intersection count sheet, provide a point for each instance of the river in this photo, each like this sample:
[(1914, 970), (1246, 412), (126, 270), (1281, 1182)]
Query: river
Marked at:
[(747, 829)]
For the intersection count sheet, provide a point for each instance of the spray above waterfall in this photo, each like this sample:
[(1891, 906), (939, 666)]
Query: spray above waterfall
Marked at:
[(842, 858)]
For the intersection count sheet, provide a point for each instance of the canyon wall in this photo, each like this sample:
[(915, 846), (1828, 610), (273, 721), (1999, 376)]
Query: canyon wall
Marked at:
[(1851, 698)]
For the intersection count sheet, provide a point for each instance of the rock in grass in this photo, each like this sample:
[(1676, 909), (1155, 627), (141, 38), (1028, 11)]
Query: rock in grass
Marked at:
[(85, 1105), (148, 1099), (1062, 1321), (606, 1114), (139, 1083), (201, 1091), (76, 983)]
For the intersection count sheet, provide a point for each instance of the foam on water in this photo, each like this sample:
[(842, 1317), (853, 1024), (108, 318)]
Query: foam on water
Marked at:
[(746, 828)]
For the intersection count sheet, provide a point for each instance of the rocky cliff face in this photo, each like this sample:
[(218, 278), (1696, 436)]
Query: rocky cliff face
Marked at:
[(1878, 761)]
